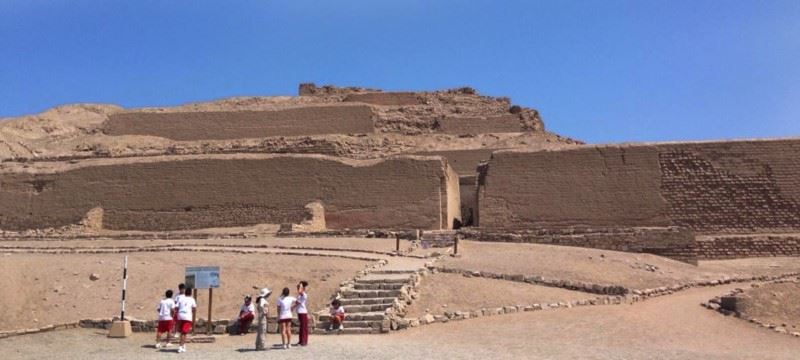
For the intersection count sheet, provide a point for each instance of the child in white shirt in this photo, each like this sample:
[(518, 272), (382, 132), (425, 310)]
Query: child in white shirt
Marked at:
[(165, 321)]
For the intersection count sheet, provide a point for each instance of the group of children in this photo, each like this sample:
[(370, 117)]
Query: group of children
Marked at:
[(183, 306)]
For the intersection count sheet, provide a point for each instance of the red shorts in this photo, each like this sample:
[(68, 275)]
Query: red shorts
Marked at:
[(165, 325), (283, 321), (184, 326)]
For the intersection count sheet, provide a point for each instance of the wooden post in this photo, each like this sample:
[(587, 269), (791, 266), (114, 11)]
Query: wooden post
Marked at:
[(210, 303), (397, 243), (455, 246), (194, 313)]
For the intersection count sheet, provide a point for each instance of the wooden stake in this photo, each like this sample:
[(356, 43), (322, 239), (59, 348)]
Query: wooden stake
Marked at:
[(210, 302), (194, 313)]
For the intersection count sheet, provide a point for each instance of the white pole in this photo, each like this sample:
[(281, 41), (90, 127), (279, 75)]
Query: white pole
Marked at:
[(124, 287)]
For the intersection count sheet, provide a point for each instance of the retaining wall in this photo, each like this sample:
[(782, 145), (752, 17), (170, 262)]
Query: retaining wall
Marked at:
[(203, 191), (711, 187), (219, 125)]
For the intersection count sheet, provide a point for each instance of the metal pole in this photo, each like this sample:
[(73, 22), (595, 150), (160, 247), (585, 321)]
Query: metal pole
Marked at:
[(397, 243), (124, 287), (455, 246)]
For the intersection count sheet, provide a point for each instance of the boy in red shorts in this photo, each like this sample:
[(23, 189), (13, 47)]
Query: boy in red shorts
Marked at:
[(164, 309), (186, 307)]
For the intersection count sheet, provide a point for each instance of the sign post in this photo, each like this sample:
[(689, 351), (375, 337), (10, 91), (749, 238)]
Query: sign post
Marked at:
[(203, 277)]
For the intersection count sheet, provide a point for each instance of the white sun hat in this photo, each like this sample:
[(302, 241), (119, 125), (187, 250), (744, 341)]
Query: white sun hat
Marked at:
[(264, 292)]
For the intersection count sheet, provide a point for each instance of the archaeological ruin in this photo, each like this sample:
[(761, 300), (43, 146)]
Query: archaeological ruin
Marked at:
[(451, 163)]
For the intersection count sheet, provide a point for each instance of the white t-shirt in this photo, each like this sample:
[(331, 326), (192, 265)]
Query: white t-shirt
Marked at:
[(285, 307), (186, 305), (165, 309), (247, 308), (335, 311), (302, 299)]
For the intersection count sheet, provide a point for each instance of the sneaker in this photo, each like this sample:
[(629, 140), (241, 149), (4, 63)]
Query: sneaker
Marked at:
[(181, 349), (285, 346), (158, 345), (330, 327), (341, 327)]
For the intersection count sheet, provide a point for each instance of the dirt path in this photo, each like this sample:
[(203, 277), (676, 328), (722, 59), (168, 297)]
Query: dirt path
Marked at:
[(670, 327)]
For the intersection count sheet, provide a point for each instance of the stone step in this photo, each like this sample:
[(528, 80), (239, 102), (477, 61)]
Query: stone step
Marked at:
[(374, 324), (394, 271), (384, 279), (350, 294), (366, 301), (362, 316), (367, 308), (346, 331), (378, 286)]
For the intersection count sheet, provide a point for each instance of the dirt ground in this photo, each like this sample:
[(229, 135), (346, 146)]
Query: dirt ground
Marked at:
[(631, 270), (453, 292), (669, 327), (56, 288), (777, 304)]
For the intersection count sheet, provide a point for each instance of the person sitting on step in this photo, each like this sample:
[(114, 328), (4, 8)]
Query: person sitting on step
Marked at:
[(246, 315), (337, 316)]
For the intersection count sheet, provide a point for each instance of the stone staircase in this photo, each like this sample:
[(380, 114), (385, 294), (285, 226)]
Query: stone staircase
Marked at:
[(374, 301)]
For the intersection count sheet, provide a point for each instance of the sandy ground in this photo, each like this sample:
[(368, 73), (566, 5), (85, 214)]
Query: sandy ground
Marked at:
[(451, 292), (602, 266), (777, 304), (670, 327), (56, 288)]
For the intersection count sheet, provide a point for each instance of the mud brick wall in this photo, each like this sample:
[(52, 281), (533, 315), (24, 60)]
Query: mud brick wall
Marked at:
[(708, 187), (464, 162), (219, 125), (203, 191), (587, 186), (672, 242), (738, 246), (386, 98), (480, 125)]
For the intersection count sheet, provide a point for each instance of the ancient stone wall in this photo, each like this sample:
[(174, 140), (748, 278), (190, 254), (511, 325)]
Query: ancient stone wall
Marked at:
[(203, 191), (219, 125), (708, 187), (386, 98), (480, 125), (756, 245)]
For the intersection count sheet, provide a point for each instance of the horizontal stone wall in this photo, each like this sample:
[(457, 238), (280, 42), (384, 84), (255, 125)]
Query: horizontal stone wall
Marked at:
[(219, 125), (712, 187), (386, 98), (738, 246), (671, 242), (480, 125), (204, 191)]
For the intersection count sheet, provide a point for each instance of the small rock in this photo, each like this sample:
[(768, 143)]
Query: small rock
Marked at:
[(94, 277)]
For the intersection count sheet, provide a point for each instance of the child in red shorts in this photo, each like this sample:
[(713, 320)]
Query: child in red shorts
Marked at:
[(165, 308), (186, 307), (337, 316)]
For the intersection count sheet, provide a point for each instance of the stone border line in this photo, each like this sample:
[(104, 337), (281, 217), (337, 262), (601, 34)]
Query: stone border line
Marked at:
[(247, 246), (715, 304), (234, 251), (633, 295)]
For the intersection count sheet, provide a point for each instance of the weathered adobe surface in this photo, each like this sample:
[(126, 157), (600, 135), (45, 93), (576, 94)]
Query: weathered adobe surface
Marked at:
[(352, 122), (204, 191), (772, 303), (708, 187)]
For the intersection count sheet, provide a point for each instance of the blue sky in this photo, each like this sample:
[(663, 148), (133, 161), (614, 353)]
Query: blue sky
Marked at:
[(600, 71)]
